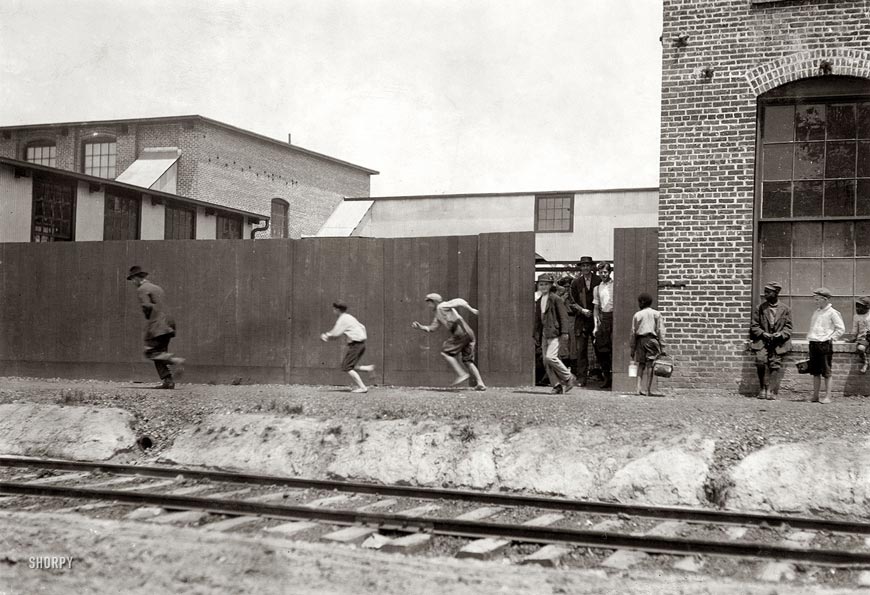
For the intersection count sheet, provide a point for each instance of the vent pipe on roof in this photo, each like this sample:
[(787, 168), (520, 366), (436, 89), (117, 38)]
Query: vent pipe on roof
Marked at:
[(289, 139)]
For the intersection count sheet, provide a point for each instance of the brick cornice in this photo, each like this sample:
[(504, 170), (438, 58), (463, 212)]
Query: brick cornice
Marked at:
[(808, 64)]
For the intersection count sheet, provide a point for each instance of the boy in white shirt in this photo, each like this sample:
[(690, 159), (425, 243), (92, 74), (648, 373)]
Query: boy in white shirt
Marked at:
[(646, 346), (826, 326), (356, 344), (861, 330)]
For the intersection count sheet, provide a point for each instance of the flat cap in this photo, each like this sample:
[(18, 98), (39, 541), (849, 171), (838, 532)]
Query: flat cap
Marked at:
[(434, 297), (773, 286), (822, 291), (546, 278), (864, 301)]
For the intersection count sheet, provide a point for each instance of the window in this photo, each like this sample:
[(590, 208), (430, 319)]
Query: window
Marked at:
[(554, 213), (100, 156), (53, 210), (813, 200), (279, 218), (179, 223), (121, 220), (42, 153), (229, 227)]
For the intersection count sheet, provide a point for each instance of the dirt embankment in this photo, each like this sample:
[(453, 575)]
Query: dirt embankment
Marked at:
[(686, 449)]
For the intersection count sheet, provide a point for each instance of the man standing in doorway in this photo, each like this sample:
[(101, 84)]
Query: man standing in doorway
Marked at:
[(603, 330), (770, 332), (579, 303), (551, 327), (159, 327)]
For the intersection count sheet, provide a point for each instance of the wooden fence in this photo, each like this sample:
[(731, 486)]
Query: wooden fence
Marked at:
[(253, 310)]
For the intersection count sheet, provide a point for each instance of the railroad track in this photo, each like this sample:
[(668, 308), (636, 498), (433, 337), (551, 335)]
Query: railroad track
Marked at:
[(712, 533)]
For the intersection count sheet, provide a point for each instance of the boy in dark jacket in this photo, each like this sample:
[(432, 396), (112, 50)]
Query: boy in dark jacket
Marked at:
[(770, 332), (551, 326)]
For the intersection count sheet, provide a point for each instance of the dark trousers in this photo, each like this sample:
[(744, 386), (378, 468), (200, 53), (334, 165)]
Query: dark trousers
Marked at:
[(604, 345), (581, 364), (156, 350)]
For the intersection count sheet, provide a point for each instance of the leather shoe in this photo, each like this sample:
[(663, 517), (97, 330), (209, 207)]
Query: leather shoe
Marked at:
[(166, 385), (557, 390)]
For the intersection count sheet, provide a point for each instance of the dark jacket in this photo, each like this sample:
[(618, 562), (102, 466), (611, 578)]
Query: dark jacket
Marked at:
[(554, 321), (780, 330), (580, 297)]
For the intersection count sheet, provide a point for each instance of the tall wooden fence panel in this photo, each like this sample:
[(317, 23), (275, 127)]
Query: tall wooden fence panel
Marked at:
[(635, 263), (414, 268), (326, 270), (506, 282), (253, 311)]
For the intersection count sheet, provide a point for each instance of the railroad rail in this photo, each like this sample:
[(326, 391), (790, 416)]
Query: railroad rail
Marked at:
[(472, 529), (692, 515)]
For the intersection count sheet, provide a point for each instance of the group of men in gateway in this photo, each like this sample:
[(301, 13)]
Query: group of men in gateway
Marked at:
[(581, 306)]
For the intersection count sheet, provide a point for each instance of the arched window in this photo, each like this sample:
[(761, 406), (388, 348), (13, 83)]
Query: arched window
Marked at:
[(279, 218), (812, 194), (100, 154), (41, 152)]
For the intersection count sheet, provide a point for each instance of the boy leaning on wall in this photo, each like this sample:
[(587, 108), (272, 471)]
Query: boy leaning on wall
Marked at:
[(861, 330)]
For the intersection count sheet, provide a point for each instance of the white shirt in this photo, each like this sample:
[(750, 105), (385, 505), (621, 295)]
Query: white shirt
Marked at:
[(349, 326), (826, 325), (544, 298), (602, 295)]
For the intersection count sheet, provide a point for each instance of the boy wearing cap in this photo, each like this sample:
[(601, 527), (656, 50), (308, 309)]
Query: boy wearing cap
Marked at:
[(770, 332), (461, 343), (551, 326), (826, 326), (355, 332), (861, 330), (159, 327)]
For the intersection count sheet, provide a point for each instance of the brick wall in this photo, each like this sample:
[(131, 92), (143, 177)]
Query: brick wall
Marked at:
[(708, 156), (218, 165), (235, 169)]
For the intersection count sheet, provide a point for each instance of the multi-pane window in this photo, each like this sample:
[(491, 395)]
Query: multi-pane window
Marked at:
[(229, 227), (42, 154), (179, 223), (100, 157), (279, 218), (554, 213), (53, 210), (121, 221), (814, 191)]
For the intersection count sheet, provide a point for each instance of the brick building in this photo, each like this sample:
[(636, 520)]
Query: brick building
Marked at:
[(213, 162), (764, 175)]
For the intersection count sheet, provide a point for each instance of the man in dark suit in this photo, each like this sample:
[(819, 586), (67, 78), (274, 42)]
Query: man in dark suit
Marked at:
[(159, 327), (770, 332), (551, 329), (579, 305)]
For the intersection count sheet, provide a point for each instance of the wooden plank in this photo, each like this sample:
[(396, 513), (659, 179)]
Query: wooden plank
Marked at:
[(636, 270)]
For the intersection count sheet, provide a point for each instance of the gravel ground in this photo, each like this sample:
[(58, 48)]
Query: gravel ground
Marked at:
[(160, 559), (738, 424)]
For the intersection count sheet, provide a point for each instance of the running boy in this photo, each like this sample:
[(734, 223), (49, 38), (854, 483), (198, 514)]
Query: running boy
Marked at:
[(646, 347), (349, 326), (861, 330), (461, 343)]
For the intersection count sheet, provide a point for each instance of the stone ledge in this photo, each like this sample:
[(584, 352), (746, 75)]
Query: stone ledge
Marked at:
[(803, 346)]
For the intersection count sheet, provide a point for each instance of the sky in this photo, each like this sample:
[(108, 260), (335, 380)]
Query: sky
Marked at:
[(439, 96)]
